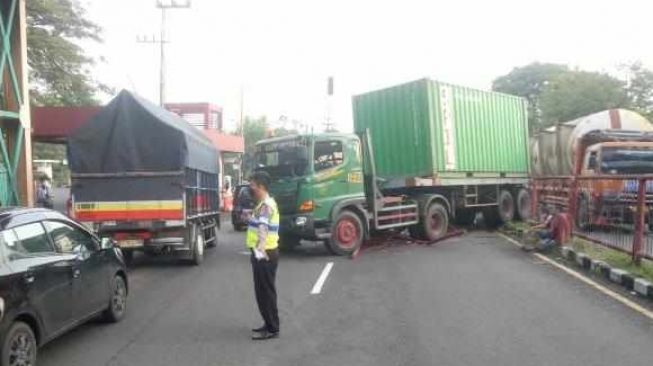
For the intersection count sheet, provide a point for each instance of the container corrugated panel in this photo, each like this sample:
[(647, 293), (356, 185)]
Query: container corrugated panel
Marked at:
[(426, 128)]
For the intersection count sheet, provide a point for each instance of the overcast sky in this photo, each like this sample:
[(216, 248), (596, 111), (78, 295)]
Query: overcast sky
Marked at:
[(282, 51)]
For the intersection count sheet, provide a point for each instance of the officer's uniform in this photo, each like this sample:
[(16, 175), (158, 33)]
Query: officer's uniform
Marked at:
[(264, 225)]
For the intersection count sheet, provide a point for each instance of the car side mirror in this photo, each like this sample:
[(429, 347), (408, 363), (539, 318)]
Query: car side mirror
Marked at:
[(107, 243)]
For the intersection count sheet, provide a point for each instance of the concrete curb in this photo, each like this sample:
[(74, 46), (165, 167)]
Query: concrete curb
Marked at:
[(624, 278)]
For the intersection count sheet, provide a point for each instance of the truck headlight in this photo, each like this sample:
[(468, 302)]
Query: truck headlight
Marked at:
[(301, 221)]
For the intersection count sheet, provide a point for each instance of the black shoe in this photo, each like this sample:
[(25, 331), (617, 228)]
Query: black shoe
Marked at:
[(260, 329), (265, 335)]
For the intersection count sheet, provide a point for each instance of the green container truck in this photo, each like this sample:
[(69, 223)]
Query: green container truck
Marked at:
[(423, 154)]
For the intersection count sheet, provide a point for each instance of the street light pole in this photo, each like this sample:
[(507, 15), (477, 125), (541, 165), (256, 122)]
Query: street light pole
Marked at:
[(162, 69)]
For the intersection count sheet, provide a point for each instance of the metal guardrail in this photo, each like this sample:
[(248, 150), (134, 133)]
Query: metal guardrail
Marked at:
[(614, 211)]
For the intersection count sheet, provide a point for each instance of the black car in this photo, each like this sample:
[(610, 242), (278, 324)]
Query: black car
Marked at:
[(243, 206), (54, 275)]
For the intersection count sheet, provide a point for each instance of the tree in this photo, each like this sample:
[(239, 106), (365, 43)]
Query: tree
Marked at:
[(59, 69), (528, 82), (254, 130), (578, 93), (639, 88)]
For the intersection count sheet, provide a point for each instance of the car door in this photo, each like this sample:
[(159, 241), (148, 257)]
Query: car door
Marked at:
[(45, 276), (92, 293)]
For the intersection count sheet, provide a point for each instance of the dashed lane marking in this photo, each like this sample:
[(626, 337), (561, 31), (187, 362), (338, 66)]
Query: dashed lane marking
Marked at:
[(317, 288)]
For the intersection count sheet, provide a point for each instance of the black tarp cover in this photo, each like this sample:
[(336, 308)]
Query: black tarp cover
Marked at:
[(132, 134)]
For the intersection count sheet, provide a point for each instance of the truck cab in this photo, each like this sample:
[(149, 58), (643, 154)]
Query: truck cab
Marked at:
[(315, 177)]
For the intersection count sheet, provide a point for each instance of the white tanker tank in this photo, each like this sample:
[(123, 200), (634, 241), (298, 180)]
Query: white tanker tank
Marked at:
[(553, 151)]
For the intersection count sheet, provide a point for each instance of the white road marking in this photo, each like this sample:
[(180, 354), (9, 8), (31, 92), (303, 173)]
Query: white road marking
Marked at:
[(317, 288), (631, 304), (245, 252)]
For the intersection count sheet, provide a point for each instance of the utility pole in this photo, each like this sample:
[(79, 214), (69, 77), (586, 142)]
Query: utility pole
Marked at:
[(164, 5), (329, 105)]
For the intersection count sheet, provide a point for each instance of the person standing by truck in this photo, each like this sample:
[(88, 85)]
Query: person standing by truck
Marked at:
[(263, 241)]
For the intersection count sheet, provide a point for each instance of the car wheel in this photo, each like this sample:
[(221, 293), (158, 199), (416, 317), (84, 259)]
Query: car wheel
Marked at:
[(198, 247), (346, 234), (118, 302), (19, 347)]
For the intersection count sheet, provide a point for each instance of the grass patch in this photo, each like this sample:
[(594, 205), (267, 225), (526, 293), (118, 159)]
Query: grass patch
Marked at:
[(614, 258)]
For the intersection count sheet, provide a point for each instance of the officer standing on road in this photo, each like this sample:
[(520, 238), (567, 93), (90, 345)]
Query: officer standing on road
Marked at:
[(263, 242)]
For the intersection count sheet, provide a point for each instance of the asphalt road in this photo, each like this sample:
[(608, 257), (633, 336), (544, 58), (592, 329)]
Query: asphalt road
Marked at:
[(472, 300)]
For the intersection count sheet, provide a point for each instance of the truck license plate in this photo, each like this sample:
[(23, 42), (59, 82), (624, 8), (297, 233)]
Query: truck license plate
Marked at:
[(130, 243)]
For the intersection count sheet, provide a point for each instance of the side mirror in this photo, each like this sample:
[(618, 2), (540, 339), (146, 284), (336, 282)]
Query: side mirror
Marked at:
[(107, 243)]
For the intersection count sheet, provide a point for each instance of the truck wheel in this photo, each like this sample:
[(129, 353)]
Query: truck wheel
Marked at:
[(19, 346), (523, 205), (506, 207), (347, 234), (197, 246), (288, 242), (436, 222), (465, 217), (214, 233)]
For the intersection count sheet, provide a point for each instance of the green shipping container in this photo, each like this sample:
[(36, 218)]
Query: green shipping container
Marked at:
[(448, 133)]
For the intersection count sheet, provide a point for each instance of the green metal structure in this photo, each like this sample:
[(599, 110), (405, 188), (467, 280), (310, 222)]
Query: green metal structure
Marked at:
[(11, 101)]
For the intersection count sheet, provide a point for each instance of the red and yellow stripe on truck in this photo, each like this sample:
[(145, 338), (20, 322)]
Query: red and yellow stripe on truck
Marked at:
[(129, 210)]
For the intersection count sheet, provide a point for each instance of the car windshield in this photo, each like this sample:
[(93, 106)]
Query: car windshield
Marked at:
[(627, 161), (283, 159)]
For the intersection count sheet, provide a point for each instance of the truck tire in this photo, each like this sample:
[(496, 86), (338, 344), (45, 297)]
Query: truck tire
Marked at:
[(435, 223), (19, 346), (523, 205), (465, 217), (506, 206), (197, 245), (346, 234), (288, 242), (214, 231)]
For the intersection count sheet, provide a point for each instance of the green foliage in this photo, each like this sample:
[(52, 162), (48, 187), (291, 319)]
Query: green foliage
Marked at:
[(640, 89), (528, 82), (58, 67), (254, 129), (575, 94), (557, 94)]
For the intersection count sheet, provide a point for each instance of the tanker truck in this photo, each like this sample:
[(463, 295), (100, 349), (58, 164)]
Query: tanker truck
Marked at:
[(423, 153), (589, 165)]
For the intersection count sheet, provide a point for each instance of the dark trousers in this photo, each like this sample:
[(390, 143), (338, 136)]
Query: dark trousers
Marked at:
[(265, 272)]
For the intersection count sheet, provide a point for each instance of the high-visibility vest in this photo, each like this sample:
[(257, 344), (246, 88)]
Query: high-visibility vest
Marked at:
[(272, 240)]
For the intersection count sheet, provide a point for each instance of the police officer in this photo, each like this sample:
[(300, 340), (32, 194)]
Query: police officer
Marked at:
[(263, 243)]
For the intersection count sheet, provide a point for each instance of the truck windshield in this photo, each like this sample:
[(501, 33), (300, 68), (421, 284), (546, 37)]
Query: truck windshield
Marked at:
[(283, 159), (627, 161)]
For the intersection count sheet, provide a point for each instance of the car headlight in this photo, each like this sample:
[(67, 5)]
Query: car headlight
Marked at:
[(301, 221)]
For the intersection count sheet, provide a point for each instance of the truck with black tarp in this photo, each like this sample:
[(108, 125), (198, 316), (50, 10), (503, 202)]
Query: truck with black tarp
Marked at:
[(146, 178)]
